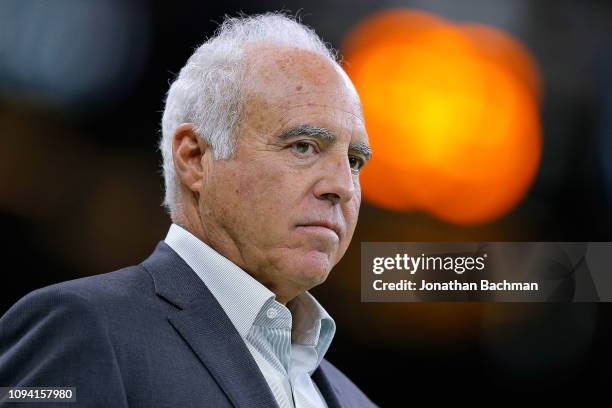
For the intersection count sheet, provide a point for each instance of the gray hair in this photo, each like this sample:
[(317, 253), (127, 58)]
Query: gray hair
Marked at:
[(208, 90)]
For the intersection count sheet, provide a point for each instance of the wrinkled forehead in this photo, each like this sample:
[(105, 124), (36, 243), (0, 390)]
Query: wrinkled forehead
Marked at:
[(283, 75)]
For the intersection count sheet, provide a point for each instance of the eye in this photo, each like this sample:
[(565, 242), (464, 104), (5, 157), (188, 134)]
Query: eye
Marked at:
[(356, 163), (303, 147)]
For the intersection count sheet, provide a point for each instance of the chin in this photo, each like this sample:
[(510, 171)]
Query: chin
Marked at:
[(312, 268)]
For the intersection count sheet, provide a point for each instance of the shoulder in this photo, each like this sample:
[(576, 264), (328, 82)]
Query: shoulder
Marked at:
[(349, 392), (60, 335), (120, 285), (84, 300)]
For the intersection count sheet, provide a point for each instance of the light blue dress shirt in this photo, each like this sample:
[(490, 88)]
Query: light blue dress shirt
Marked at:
[(287, 343)]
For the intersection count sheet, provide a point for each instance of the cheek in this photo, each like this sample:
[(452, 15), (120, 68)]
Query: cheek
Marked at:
[(352, 214), (353, 206), (259, 189), (222, 202), (264, 196)]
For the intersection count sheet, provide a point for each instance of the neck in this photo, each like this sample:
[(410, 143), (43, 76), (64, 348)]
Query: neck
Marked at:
[(188, 217)]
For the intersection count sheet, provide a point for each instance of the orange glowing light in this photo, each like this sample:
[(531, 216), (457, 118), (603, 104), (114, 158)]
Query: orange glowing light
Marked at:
[(451, 112)]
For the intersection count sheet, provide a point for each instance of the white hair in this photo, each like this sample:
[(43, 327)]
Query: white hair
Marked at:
[(208, 90)]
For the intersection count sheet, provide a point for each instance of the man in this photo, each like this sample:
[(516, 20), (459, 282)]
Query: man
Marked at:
[(263, 140)]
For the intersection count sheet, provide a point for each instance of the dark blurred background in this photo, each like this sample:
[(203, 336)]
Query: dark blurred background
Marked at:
[(82, 85)]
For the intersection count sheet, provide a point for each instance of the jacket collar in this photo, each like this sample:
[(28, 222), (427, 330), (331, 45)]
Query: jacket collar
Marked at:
[(202, 323)]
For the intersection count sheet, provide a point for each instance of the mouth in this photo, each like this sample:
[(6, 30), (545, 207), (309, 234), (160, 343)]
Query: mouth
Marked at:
[(322, 226)]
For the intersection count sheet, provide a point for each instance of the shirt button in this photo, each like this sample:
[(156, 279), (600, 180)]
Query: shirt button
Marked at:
[(272, 313)]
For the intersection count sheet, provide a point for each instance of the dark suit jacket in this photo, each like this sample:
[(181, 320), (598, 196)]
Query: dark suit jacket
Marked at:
[(150, 335)]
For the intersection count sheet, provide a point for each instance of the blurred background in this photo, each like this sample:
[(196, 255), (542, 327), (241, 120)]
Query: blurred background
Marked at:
[(499, 118)]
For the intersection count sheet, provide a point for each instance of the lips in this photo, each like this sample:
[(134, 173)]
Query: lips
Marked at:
[(323, 224)]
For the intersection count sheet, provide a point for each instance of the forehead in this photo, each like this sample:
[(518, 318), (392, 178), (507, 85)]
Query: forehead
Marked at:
[(284, 82), (273, 63)]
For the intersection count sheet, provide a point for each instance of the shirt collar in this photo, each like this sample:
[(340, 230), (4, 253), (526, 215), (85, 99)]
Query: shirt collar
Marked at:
[(243, 298), (238, 293), (312, 325)]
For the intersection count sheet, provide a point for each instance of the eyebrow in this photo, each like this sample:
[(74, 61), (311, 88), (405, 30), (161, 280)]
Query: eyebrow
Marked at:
[(325, 135)]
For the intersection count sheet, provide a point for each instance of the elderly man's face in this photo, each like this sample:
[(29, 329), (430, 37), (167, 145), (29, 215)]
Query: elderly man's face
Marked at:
[(285, 206)]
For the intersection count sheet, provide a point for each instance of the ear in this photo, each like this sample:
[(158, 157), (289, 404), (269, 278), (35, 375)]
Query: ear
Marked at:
[(188, 150)]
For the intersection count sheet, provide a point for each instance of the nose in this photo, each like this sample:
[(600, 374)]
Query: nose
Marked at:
[(337, 184)]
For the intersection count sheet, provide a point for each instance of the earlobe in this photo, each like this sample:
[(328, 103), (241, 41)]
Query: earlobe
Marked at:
[(187, 151)]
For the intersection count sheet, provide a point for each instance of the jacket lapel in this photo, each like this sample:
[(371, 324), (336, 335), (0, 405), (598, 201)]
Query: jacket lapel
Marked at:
[(329, 393), (202, 323)]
